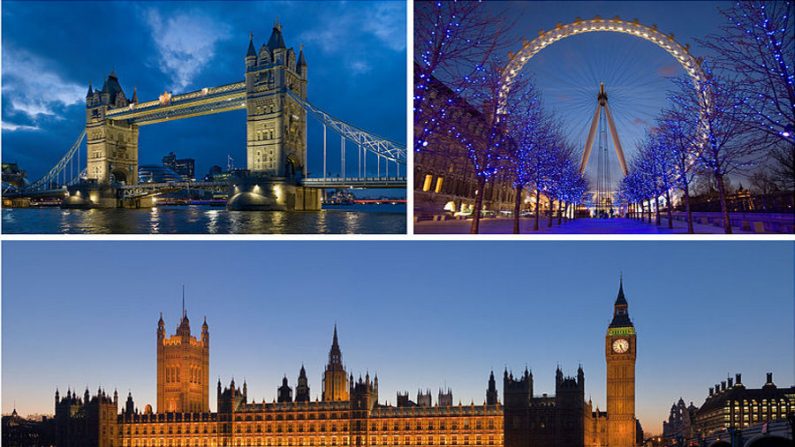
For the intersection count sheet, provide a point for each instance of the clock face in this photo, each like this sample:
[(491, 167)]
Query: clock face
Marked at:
[(620, 346)]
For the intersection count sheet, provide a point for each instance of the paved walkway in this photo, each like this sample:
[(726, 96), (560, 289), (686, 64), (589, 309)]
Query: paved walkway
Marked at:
[(578, 226)]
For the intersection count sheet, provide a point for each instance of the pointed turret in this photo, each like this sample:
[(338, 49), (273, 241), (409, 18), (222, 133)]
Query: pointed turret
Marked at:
[(285, 393), (620, 299), (251, 54), (276, 40), (335, 385), (302, 389), (251, 51), (129, 406), (90, 91), (301, 58), (621, 308), (134, 99), (491, 391)]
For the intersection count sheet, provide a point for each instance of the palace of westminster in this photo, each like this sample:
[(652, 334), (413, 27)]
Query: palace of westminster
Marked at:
[(349, 412)]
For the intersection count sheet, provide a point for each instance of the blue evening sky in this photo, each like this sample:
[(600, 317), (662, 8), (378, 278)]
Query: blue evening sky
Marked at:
[(356, 53), (637, 74), (420, 314)]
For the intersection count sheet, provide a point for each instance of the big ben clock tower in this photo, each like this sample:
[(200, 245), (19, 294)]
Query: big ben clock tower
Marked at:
[(620, 351)]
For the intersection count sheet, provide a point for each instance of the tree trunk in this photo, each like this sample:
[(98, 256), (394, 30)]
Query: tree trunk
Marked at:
[(516, 208), (550, 213), (649, 215), (475, 228), (657, 210), (724, 208), (687, 209), (670, 212), (538, 209), (560, 213)]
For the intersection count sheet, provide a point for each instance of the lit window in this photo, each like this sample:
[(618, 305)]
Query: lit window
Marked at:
[(426, 186)]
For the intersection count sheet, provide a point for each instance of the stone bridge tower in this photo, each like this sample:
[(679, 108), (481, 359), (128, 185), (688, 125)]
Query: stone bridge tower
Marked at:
[(183, 369), (276, 123), (112, 147)]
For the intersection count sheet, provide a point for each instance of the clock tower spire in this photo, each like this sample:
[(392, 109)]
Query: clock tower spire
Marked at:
[(620, 352)]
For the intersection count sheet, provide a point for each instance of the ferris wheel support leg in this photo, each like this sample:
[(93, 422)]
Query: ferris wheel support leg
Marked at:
[(616, 141), (589, 142)]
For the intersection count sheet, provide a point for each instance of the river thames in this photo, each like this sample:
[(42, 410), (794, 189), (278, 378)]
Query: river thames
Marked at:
[(197, 219)]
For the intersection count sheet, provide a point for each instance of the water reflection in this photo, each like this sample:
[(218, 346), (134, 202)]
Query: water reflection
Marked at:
[(362, 219)]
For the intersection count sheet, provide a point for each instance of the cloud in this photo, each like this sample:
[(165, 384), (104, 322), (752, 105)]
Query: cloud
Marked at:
[(34, 89), (385, 21), (13, 127), (186, 43), (359, 67), (358, 32)]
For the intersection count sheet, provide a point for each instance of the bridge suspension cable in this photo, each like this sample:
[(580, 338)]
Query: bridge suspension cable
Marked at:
[(63, 172), (381, 147)]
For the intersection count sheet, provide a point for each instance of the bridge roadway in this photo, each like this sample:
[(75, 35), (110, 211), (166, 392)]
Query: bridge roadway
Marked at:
[(201, 102)]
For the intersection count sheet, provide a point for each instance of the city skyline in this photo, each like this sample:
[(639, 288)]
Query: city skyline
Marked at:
[(183, 48), (260, 336)]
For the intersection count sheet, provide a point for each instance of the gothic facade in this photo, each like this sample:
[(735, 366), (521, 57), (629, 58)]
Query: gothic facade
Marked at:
[(349, 412), (183, 369), (276, 122)]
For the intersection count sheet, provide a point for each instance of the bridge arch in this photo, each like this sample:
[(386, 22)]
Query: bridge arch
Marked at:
[(768, 441), (119, 176), (690, 63)]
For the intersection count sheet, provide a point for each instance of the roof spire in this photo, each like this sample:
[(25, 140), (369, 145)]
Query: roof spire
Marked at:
[(276, 40), (301, 58), (251, 51), (620, 299)]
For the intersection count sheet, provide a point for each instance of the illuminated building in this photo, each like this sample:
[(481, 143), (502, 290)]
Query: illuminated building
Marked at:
[(679, 425), (185, 167), (349, 413), (730, 405), (183, 369), (444, 179)]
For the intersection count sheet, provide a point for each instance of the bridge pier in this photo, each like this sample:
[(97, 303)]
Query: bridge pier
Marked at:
[(259, 192), (90, 195)]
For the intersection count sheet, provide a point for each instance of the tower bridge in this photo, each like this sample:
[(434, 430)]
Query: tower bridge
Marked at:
[(277, 174)]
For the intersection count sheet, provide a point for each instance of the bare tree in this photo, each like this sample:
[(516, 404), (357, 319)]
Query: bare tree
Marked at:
[(783, 166), (487, 144), (727, 146), (452, 43), (681, 140), (526, 124), (757, 44)]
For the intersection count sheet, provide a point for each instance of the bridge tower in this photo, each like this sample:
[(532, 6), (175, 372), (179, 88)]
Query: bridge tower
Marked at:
[(112, 147), (276, 123), (275, 131)]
